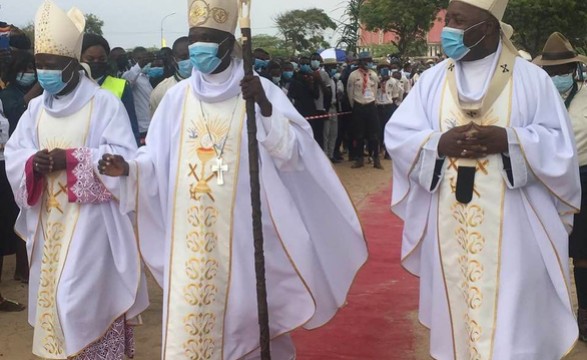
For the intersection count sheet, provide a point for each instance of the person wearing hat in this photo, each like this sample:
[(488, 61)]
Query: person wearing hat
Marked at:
[(560, 60), (86, 284), (362, 91), (190, 188), (486, 178)]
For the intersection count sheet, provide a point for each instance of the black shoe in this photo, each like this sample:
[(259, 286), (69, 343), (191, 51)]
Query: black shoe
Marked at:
[(334, 160), (358, 164), (582, 320)]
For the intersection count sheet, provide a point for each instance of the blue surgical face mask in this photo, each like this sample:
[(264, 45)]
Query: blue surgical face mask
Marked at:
[(276, 79), (354, 66), (25, 80), (333, 72), (295, 65), (288, 75), (563, 83), (384, 72), (261, 64), (306, 69), (156, 72), (204, 56), (453, 42), (184, 68), (52, 80), (315, 64), (146, 68), (337, 76)]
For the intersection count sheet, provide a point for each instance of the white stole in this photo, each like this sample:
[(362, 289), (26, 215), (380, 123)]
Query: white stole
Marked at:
[(200, 264), (58, 221), (470, 235)]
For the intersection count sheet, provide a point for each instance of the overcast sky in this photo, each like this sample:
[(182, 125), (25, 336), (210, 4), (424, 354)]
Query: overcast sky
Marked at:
[(129, 23)]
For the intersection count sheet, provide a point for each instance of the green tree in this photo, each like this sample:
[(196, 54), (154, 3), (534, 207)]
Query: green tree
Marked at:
[(410, 20), (350, 26), (303, 30), (535, 20), (272, 44), (94, 24)]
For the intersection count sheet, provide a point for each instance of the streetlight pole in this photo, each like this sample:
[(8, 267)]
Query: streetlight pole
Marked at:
[(162, 20)]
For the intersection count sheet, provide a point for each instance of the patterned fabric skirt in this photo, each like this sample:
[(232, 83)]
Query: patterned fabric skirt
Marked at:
[(114, 345)]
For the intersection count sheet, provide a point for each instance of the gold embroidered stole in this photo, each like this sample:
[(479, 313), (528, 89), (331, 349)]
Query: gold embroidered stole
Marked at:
[(470, 234), (57, 224), (199, 275)]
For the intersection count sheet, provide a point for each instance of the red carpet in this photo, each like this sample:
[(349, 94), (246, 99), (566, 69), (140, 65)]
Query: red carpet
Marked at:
[(375, 324)]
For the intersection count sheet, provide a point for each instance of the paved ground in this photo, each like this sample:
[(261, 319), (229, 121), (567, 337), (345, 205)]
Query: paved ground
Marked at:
[(16, 334)]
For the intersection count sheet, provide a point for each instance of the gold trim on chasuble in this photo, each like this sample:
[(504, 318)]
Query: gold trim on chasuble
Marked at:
[(58, 221), (200, 263), (470, 235)]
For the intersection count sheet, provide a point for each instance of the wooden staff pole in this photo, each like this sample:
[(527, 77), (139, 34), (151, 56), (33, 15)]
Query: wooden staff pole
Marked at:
[(263, 311)]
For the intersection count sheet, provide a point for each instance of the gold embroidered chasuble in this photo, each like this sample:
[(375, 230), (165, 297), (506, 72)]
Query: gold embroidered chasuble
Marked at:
[(469, 235), (204, 200), (58, 220)]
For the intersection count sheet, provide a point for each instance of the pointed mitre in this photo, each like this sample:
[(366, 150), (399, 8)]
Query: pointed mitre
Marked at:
[(215, 14), (58, 32), (495, 7)]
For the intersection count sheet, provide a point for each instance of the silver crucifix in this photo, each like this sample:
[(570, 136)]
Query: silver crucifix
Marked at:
[(220, 168)]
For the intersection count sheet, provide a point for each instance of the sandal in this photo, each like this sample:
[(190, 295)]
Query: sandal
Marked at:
[(10, 306)]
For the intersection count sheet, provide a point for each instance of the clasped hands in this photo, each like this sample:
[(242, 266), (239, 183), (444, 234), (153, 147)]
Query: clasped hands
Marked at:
[(46, 162), (473, 141)]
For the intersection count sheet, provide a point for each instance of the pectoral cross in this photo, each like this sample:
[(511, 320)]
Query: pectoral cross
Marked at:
[(220, 168)]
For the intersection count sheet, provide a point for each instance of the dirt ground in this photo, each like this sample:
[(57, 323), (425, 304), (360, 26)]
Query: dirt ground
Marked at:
[(16, 335)]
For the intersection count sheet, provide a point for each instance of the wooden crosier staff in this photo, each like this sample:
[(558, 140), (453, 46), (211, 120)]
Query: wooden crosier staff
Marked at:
[(263, 311)]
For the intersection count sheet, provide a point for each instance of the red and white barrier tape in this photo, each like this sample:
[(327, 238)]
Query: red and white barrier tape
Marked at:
[(327, 115)]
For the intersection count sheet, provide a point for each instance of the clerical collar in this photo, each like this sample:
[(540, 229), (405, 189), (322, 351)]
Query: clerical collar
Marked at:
[(221, 77), (474, 77)]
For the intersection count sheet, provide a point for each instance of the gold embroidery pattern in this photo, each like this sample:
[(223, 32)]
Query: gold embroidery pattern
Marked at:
[(58, 220), (201, 270), (201, 243), (52, 338), (471, 244)]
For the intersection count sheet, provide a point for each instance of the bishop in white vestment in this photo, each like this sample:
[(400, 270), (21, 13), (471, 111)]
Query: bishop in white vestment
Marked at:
[(86, 282), (190, 187), (485, 177)]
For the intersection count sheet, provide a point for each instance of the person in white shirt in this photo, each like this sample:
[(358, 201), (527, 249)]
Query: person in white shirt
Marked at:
[(560, 60), (194, 209), (397, 75), (183, 71), (388, 93), (486, 178), (362, 90), (141, 87)]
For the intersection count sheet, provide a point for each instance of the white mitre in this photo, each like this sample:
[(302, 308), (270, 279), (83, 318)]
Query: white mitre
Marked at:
[(57, 32), (215, 14), (495, 7)]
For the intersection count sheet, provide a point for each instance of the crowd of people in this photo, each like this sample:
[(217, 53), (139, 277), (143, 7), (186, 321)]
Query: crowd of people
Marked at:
[(82, 125)]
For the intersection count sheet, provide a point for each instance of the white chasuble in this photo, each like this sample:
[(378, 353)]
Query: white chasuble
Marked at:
[(199, 274), (470, 234), (58, 221)]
